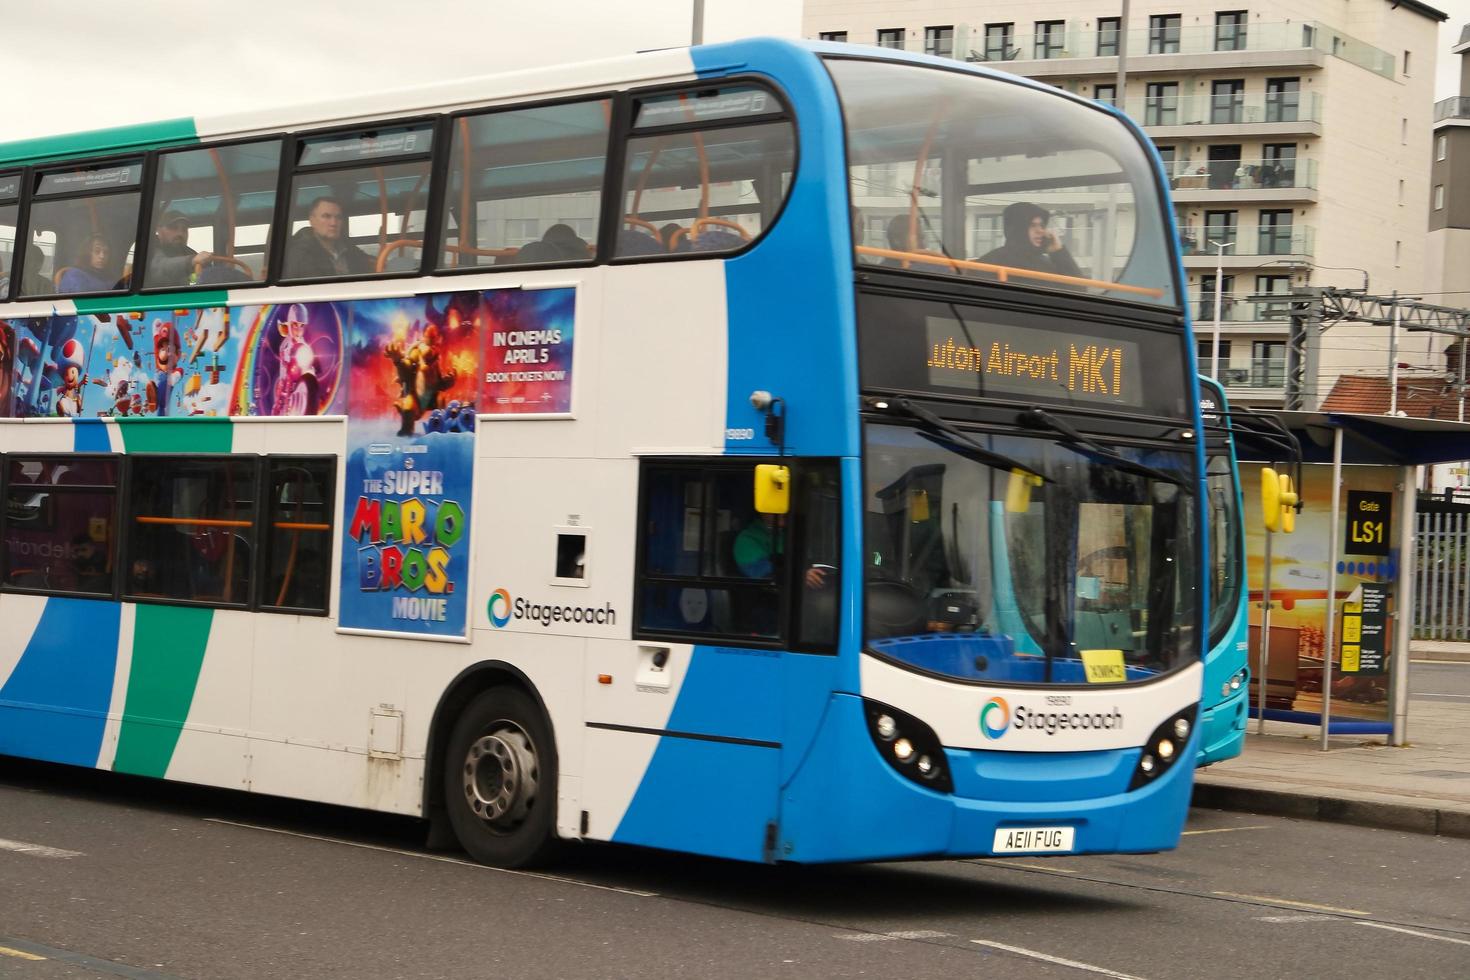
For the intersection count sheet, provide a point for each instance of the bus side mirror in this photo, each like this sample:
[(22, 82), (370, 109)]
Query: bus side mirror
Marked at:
[(1288, 505), (1018, 491), (772, 489), (1270, 498)]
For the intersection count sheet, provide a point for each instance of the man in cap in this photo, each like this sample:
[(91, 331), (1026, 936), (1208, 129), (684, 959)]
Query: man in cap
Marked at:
[(170, 259)]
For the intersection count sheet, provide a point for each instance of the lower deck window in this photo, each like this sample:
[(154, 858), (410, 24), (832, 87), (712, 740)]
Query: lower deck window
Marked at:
[(192, 529), (60, 524)]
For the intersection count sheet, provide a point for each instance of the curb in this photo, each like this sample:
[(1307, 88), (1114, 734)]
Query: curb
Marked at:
[(1331, 809), (1441, 656)]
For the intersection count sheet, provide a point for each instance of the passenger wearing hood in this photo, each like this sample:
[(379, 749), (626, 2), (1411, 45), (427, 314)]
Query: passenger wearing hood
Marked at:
[(1030, 244)]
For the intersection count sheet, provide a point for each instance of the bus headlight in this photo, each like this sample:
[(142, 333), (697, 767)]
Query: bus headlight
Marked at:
[(909, 746), (1163, 748)]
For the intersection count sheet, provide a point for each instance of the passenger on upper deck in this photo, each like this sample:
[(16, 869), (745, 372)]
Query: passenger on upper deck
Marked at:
[(1030, 244), (93, 271), (559, 243), (170, 259), (320, 250)]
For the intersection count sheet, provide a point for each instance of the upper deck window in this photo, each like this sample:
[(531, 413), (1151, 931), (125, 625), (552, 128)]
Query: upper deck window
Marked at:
[(706, 171), (1003, 182), (212, 213), (358, 202), (525, 185), (83, 225)]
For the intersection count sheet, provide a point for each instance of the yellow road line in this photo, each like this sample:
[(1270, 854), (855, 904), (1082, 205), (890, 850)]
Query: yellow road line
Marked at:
[(18, 954), (1226, 830), (1271, 900)]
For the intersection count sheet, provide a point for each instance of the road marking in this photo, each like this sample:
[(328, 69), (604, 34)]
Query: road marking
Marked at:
[(1294, 918), (1226, 830), (443, 859), (1023, 864), (866, 937), (920, 934), (1270, 900), (1059, 961), (18, 954), (1415, 932), (36, 850)]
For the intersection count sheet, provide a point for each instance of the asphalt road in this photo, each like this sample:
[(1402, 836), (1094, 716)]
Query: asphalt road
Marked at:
[(151, 881), (1448, 683)]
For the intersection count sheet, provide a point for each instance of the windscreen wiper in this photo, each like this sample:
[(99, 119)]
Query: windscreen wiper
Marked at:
[(936, 424), (1040, 418)]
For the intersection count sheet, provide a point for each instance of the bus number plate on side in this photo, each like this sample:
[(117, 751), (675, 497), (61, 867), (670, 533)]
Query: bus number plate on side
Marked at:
[(1032, 840)]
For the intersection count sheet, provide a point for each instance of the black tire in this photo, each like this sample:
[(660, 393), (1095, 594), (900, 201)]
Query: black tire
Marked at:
[(499, 780)]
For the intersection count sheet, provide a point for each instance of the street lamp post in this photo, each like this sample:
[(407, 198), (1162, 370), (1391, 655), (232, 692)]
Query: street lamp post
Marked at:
[(1219, 284)]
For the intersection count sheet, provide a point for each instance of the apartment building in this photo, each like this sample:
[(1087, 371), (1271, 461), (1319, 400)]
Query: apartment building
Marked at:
[(1447, 278), (1294, 137)]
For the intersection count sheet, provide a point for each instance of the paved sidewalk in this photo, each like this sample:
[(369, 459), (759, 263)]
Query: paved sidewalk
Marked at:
[(1440, 650), (1423, 787)]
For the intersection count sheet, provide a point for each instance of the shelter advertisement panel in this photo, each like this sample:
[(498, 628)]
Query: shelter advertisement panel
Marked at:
[(1363, 593), (410, 463)]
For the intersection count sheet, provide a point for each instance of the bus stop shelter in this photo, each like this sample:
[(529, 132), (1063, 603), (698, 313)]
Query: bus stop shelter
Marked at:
[(1331, 648)]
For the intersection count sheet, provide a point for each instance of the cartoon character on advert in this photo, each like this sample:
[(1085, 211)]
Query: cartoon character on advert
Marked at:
[(422, 377), (72, 367), (166, 366), (298, 390)]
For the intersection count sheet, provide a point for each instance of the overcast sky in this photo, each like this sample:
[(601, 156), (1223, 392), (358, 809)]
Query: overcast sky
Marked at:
[(106, 62)]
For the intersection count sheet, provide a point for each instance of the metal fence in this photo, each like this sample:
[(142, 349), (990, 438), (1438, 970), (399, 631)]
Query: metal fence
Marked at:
[(1442, 580)]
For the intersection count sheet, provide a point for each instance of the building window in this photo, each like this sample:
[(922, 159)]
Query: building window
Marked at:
[(1439, 197), (1406, 63), (939, 41), (1108, 29), (1227, 100), (1278, 165), (1221, 227), (1404, 130), (1268, 364), (1205, 350), (1230, 27), (838, 36), (998, 42), (1207, 298), (1441, 147), (1401, 192), (1271, 285), (1275, 233), (1283, 99), (1398, 252), (1163, 33), (60, 520), (890, 37), (1050, 38), (1161, 104), (1106, 93)]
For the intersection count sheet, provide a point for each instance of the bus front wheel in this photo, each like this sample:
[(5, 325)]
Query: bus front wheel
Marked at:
[(500, 780)]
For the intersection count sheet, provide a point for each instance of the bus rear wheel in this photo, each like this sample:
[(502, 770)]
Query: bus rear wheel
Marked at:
[(500, 780)]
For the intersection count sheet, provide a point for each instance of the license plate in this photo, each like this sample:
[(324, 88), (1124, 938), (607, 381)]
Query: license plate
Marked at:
[(1033, 840)]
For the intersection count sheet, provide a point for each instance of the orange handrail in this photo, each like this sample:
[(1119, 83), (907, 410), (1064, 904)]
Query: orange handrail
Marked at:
[(464, 183), (458, 250), (193, 522), (1003, 272), (699, 223), (229, 201), (382, 209), (300, 526)]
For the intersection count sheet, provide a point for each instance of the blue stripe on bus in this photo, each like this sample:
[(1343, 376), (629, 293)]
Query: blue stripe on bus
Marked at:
[(64, 682), (90, 436), (780, 339)]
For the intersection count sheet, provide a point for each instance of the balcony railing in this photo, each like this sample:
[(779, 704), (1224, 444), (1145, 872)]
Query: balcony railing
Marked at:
[(1174, 110), (1264, 372), (971, 44), (1249, 240), (1235, 175), (1455, 107), (1234, 310)]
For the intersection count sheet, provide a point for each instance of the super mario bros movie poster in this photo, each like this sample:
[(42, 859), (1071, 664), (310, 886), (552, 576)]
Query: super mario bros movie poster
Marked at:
[(527, 366), (293, 356), (413, 376)]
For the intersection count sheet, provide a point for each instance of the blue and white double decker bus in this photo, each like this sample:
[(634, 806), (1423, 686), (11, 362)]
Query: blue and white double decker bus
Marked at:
[(1224, 711), (776, 451)]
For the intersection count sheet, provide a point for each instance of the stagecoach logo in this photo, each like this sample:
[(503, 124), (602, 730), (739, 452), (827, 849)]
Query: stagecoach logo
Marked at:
[(995, 718), (502, 609)]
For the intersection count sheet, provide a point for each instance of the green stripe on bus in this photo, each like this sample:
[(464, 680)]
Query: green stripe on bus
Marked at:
[(168, 652), (168, 641), (154, 301), (114, 139)]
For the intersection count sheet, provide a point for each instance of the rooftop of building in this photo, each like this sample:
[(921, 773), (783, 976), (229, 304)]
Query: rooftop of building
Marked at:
[(1421, 396)]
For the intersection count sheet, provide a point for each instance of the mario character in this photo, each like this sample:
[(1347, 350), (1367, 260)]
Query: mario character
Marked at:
[(72, 367), (165, 365), (297, 390), (422, 378)]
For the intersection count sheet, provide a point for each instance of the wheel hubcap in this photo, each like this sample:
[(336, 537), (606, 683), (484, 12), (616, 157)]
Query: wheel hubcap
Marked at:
[(500, 774)]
